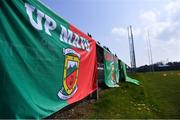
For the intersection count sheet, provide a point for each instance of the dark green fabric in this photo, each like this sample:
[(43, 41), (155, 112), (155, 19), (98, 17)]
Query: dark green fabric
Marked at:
[(30, 63)]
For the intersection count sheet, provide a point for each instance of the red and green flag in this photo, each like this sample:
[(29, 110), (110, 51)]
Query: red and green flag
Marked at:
[(46, 63), (111, 69)]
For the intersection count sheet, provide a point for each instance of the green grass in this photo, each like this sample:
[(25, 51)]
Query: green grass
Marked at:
[(158, 96)]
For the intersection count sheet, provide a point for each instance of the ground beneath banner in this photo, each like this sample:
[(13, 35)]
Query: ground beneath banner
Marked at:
[(158, 96)]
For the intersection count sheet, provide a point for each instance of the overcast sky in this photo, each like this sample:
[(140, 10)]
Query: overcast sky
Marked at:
[(107, 21)]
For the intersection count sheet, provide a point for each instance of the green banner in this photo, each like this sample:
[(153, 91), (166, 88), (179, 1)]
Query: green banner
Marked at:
[(46, 63), (126, 77), (111, 69)]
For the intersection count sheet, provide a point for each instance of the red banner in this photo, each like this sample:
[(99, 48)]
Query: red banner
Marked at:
[(87, 69)]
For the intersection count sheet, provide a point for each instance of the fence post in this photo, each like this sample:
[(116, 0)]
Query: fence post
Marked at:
[(97, 91)]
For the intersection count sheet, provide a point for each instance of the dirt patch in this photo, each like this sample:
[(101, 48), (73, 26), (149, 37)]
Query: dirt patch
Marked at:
[(164, 74), (75, 111)]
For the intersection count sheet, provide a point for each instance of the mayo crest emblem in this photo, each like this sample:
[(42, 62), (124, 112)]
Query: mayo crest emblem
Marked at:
[(70, 76)]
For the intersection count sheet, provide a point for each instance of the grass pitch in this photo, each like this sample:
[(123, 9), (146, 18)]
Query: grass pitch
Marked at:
[(158, 96)]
